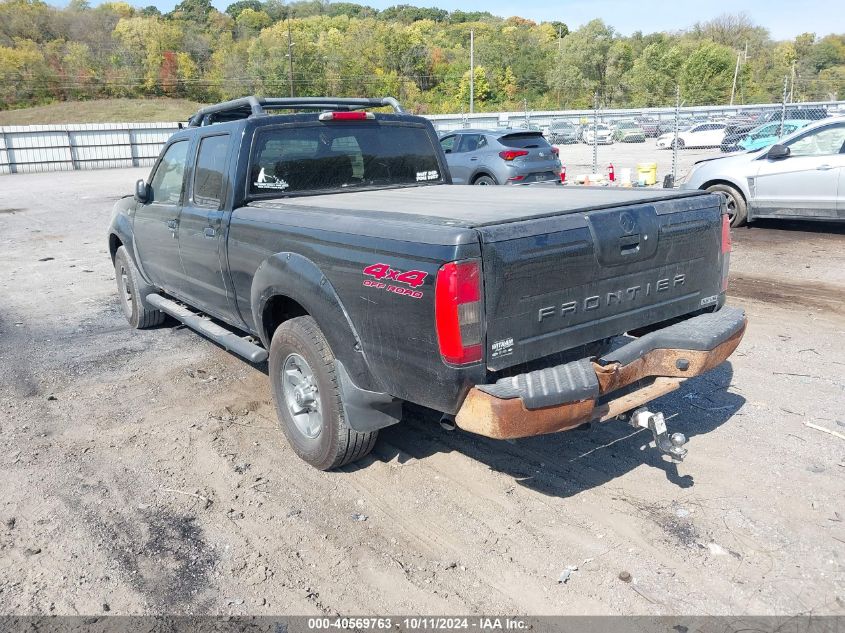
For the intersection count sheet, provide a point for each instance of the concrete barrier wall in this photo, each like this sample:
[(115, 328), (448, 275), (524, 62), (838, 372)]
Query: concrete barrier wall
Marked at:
[(36, 148)]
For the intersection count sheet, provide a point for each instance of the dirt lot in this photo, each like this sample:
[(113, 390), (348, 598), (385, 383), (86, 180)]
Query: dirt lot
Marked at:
[(144, 471)]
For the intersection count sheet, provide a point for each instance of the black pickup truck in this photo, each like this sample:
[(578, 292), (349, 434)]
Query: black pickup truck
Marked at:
[(326, 239)]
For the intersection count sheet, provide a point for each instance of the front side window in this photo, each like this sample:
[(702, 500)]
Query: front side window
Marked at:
[(169, 175), (340, 156), (823, 142), (208, 179)]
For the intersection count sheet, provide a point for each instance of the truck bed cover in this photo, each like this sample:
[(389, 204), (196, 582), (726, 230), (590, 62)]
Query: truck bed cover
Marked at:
[(471, 207)]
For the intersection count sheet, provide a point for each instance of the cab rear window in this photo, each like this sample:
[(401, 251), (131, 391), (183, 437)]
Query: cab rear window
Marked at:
[(340, 156)]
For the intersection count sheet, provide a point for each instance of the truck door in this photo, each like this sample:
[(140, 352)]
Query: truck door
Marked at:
[(156, 221), (201, 228), (805, 183)]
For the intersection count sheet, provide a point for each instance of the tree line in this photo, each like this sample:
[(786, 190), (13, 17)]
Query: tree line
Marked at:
[(421, 55)]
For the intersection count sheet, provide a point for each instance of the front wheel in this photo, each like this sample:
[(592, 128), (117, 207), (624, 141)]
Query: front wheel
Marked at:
[(132, 291), (737, 207), (308, 398), (679, 143)]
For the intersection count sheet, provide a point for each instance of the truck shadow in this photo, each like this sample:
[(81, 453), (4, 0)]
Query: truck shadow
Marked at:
[(564, 464)]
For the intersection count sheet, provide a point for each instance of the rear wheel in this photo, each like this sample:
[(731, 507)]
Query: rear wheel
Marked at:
[(484, 180), (132, 291), (737, 207), (308, 398)]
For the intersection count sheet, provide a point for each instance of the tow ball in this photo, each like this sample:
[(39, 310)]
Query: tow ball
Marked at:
[(671, 445)]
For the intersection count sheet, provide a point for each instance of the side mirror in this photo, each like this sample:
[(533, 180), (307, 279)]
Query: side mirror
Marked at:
[(777, 152), (142, 191)]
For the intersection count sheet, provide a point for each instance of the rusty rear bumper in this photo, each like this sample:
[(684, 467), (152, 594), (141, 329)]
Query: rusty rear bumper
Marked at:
[(563, 397)]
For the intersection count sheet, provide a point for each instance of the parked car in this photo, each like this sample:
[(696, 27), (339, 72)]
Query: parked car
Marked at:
[(759, 136), (628, 132), (562, 133), (332, 245), (799, 177), (500, 157), (812, 113), (768, 134), (700, 135), (654, 127), (602, 133)]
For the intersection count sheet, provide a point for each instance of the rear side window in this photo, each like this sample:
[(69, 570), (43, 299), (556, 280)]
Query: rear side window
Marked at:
[(472, 142), (525, 141), (340, 156), (208, 179)]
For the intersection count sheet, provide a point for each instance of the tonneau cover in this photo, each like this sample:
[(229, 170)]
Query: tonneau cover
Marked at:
[(467, 206)]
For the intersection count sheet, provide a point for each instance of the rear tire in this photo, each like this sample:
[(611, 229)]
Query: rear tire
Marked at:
[(484, 180), (132, 291), (737, 207), (308, 398)]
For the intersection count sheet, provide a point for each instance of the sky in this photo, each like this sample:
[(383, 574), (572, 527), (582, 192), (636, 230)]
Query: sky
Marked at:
[(783, 18)]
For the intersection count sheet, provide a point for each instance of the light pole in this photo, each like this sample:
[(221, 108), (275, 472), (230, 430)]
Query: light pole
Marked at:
[(471, 71), (290, 59)]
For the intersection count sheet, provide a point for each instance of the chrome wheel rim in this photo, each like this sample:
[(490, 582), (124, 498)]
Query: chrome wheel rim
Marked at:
[(302, 397), (125, 289)]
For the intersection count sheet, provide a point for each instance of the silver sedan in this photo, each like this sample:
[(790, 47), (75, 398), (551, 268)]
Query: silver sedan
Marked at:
[(800, 177)]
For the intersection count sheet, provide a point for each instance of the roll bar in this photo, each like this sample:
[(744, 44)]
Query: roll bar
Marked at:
[(252, 106)]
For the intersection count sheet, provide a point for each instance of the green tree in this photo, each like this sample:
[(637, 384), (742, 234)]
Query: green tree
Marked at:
[(707, 74), (481, 87)]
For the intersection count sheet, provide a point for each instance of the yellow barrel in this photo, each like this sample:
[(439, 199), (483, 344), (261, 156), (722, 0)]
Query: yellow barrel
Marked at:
[(647, 173)]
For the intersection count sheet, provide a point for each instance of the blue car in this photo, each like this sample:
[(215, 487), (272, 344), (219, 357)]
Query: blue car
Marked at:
[(769, 133)]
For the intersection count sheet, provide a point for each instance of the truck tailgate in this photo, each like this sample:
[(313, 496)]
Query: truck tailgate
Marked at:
[(555, 282)]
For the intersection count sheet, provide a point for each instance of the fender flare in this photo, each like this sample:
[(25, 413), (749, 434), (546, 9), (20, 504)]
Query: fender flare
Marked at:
[(296, 277)]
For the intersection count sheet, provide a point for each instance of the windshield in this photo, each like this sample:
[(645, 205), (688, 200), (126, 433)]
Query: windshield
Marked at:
[(338, 156)]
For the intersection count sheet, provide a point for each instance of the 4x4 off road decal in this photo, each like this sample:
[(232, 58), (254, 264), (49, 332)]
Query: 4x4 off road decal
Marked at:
[(413, 278)]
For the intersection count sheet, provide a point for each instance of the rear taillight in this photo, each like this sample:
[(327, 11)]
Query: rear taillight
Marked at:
[(346, 116), (510, 154), (555, 150), (457, 312), (726, 250)]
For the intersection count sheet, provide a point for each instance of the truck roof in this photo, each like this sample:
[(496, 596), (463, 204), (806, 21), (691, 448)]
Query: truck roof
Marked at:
[(472, 207)]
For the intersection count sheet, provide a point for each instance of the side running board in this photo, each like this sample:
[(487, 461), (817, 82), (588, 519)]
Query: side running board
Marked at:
[(205, 326)]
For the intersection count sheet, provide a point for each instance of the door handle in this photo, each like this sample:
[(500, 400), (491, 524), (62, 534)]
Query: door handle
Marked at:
[(474, 158), (210, 231), (824, 167)]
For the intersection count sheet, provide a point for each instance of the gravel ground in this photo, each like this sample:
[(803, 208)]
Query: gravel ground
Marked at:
[(142, 472)]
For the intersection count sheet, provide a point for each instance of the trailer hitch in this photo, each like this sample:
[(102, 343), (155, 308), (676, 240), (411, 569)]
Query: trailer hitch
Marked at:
[(671, 445)]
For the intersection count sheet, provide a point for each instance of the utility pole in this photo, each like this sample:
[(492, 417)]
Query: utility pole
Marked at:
[(471, 71), (559, 38), (290, 59), (736, 71), (595, 132), (736, 74), (783, 106)]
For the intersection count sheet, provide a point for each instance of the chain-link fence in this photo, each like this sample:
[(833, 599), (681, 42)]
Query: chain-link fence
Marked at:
[(651, 146)]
